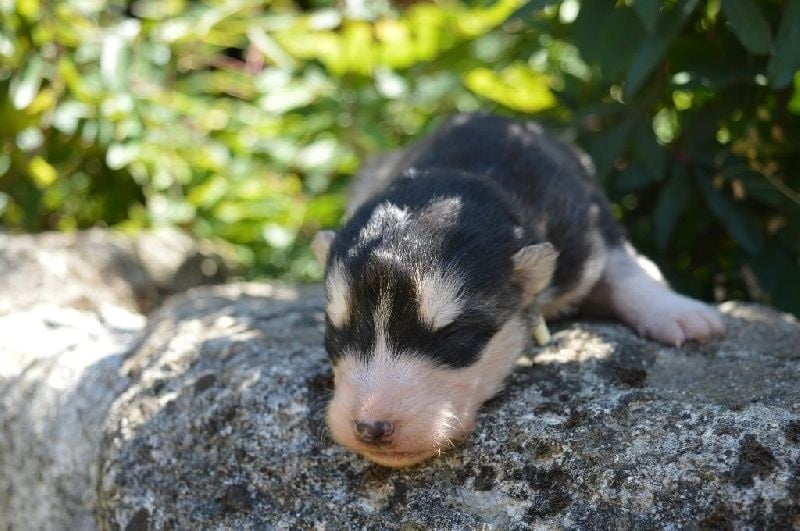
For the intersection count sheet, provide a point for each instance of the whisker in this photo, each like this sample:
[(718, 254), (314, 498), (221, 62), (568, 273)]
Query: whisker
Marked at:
[(451, 415), (317, 411)]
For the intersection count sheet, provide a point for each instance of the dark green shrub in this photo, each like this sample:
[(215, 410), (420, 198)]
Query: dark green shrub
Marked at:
[(243, 120)]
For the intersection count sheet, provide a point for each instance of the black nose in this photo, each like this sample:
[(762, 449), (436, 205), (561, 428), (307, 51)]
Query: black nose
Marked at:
[(374, 432)]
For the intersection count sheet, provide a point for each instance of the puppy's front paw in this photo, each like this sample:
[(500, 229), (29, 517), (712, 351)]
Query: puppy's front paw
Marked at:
[(673, 319)]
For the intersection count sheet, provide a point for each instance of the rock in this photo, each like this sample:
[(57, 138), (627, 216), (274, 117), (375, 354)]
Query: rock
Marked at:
[(600, 430), (69, 313), (82, 270), (90, 269), (59, 374), (177, 262), (211, 415)]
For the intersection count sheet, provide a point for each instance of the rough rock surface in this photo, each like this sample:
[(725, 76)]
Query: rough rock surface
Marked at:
[(210, 416), (220, 426), (59, 373), (90, 269), (67, 318)]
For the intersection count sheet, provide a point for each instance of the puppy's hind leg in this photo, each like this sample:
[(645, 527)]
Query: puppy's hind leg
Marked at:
[(633, 290)]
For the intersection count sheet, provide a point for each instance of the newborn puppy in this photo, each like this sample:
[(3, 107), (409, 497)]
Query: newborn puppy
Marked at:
[(449, 247)]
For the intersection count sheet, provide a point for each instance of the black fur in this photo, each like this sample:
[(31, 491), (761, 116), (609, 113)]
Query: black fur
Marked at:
[(513, 185)]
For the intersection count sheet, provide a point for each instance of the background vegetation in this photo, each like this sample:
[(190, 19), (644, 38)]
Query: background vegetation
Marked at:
[(242, 120)]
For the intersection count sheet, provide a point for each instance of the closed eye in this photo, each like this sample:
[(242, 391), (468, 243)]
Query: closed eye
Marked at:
[(469, 331)]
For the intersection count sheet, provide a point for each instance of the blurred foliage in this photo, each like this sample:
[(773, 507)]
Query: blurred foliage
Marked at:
[(242, 120)]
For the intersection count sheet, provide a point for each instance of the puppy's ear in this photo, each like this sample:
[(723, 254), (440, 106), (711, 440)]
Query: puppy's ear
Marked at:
[(321, 245), (533, 268)]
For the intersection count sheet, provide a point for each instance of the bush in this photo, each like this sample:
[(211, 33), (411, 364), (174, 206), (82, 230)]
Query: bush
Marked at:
[(243, 121)]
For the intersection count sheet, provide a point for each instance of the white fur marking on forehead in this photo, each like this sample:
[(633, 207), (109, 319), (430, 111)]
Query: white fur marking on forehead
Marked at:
[(385, 215), (338, 288), (380, 319), (440, 298)]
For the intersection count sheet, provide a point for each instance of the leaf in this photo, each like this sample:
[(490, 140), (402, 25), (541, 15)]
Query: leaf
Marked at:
[(530, 9), (607, 146), (794, 103), (749, 25), (648, 152), (648, 13), (672, 201), (115, 52), (120, 155), (778, 275), (25, 87), (720, 73), (270, 48), (42, 173), (655, 45), (209, 192), (324, 210), (5, 163), (358, 47), (631, 179), (619, 28), (760, 189), (738, 221), (786, 58), (516, 86)]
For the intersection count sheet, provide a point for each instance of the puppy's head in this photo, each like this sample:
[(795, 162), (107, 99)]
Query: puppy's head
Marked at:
[(420, 337)]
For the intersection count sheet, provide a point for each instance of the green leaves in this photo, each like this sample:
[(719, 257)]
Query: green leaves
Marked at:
[(672, 202), (648, 152), (647, 10), (607, 146), (244, 121), (794, 104), (114, 59), (739, 222), (786, 59), (516, 87), (618, 27), (777, 274), (653, 47), (26, 84), (749, 25)]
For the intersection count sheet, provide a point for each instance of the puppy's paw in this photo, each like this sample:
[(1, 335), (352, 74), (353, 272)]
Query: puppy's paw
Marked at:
[(674, 319)]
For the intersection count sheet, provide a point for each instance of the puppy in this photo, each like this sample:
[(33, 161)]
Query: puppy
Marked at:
[(449, 246)]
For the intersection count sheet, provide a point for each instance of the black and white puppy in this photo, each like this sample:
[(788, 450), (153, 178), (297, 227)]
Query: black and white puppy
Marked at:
[(449, 245)]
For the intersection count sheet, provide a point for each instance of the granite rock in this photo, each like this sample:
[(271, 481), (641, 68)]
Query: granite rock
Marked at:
[(69, 313), (209, 414), (221, 426), (90, 269), (59, 374)]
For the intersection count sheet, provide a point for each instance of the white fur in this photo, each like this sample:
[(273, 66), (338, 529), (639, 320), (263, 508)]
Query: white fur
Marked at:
[(385, 214), (639, 296), (338, 290), (440, 298)]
